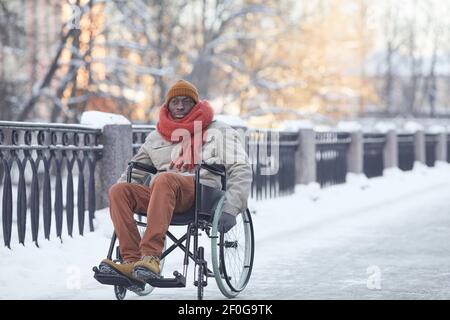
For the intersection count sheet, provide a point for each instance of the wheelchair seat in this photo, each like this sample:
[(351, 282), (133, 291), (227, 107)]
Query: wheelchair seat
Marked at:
[(209, 198)]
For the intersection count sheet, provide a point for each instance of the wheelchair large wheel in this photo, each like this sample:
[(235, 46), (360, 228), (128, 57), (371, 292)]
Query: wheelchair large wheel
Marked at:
[(232, 253)]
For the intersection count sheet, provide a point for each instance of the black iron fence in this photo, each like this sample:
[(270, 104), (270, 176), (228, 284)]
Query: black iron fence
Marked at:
[(263, 185), (287, 169), (331, 157), (37, 163), (140, 132), (431, 141), (448, 148), (373, 159), (406, 155), (272, 157), (47, 171)]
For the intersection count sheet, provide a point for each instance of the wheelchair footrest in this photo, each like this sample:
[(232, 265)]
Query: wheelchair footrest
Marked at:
[(178, 282), (117, 280)]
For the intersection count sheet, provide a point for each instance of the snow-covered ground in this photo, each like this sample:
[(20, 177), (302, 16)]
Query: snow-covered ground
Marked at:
[(383, 238)]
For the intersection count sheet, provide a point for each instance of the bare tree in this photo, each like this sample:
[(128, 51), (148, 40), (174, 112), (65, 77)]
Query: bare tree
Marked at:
[(226, 26), (436, 31), (11, 48), (413, 42), (411, 86), (392, 43)]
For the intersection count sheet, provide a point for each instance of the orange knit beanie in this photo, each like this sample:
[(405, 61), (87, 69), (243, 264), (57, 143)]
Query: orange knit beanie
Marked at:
[(182, 88)]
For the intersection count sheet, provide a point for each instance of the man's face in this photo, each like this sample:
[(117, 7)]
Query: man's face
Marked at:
[(180, 106)]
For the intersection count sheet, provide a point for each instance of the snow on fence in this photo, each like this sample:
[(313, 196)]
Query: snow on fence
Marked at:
[(51, 175)]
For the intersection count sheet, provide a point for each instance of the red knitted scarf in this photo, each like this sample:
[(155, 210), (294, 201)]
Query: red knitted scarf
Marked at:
[(201, 112)]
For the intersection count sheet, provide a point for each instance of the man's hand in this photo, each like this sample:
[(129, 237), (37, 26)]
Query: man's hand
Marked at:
[(226, 222)]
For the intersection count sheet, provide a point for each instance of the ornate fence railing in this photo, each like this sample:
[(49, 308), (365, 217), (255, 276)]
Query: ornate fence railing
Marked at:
[(331, 157), (448, 148), (36, 160), (373, 160), (406, 155), (431, 141), (49, 183), (140, 132), (274, 166), (287, 169)]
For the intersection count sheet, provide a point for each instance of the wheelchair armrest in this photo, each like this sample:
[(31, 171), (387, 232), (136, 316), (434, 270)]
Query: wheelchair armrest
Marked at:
[(142, 166), (139, 166), (217, 169)]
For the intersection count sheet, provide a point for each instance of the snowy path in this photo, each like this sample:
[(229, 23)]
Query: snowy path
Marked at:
[(384, 238), (395, 251)]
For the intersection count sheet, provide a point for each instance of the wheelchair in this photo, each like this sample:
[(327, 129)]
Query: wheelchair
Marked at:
[(232, 253)]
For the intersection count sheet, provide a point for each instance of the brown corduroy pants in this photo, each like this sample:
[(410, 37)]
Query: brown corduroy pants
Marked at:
[(168, 193)]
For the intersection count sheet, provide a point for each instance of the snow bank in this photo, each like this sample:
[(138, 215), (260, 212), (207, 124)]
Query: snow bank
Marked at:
[(436, 128), (230, 120), (295, 125), (413, 126), (56, 269), (384, 127), (98, 119)]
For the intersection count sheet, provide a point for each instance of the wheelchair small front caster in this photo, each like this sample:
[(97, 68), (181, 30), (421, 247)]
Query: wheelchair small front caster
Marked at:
[(201, 273), (120, 292)]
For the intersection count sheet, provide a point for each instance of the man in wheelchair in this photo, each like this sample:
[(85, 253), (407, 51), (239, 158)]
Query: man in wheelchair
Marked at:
[(186, 135)]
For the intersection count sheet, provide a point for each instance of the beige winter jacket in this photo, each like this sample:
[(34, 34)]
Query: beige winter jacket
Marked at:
[(222, 146)]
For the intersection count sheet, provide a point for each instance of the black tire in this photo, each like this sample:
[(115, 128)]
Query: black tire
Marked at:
[(232, 253), (120, 292), (200, 273)]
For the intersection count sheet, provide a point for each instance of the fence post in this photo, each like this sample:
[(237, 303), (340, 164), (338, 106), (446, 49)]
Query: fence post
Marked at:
[(355, 154), (117, 140), (391, 150), (419, 146), (305, 157), (441, 147)]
